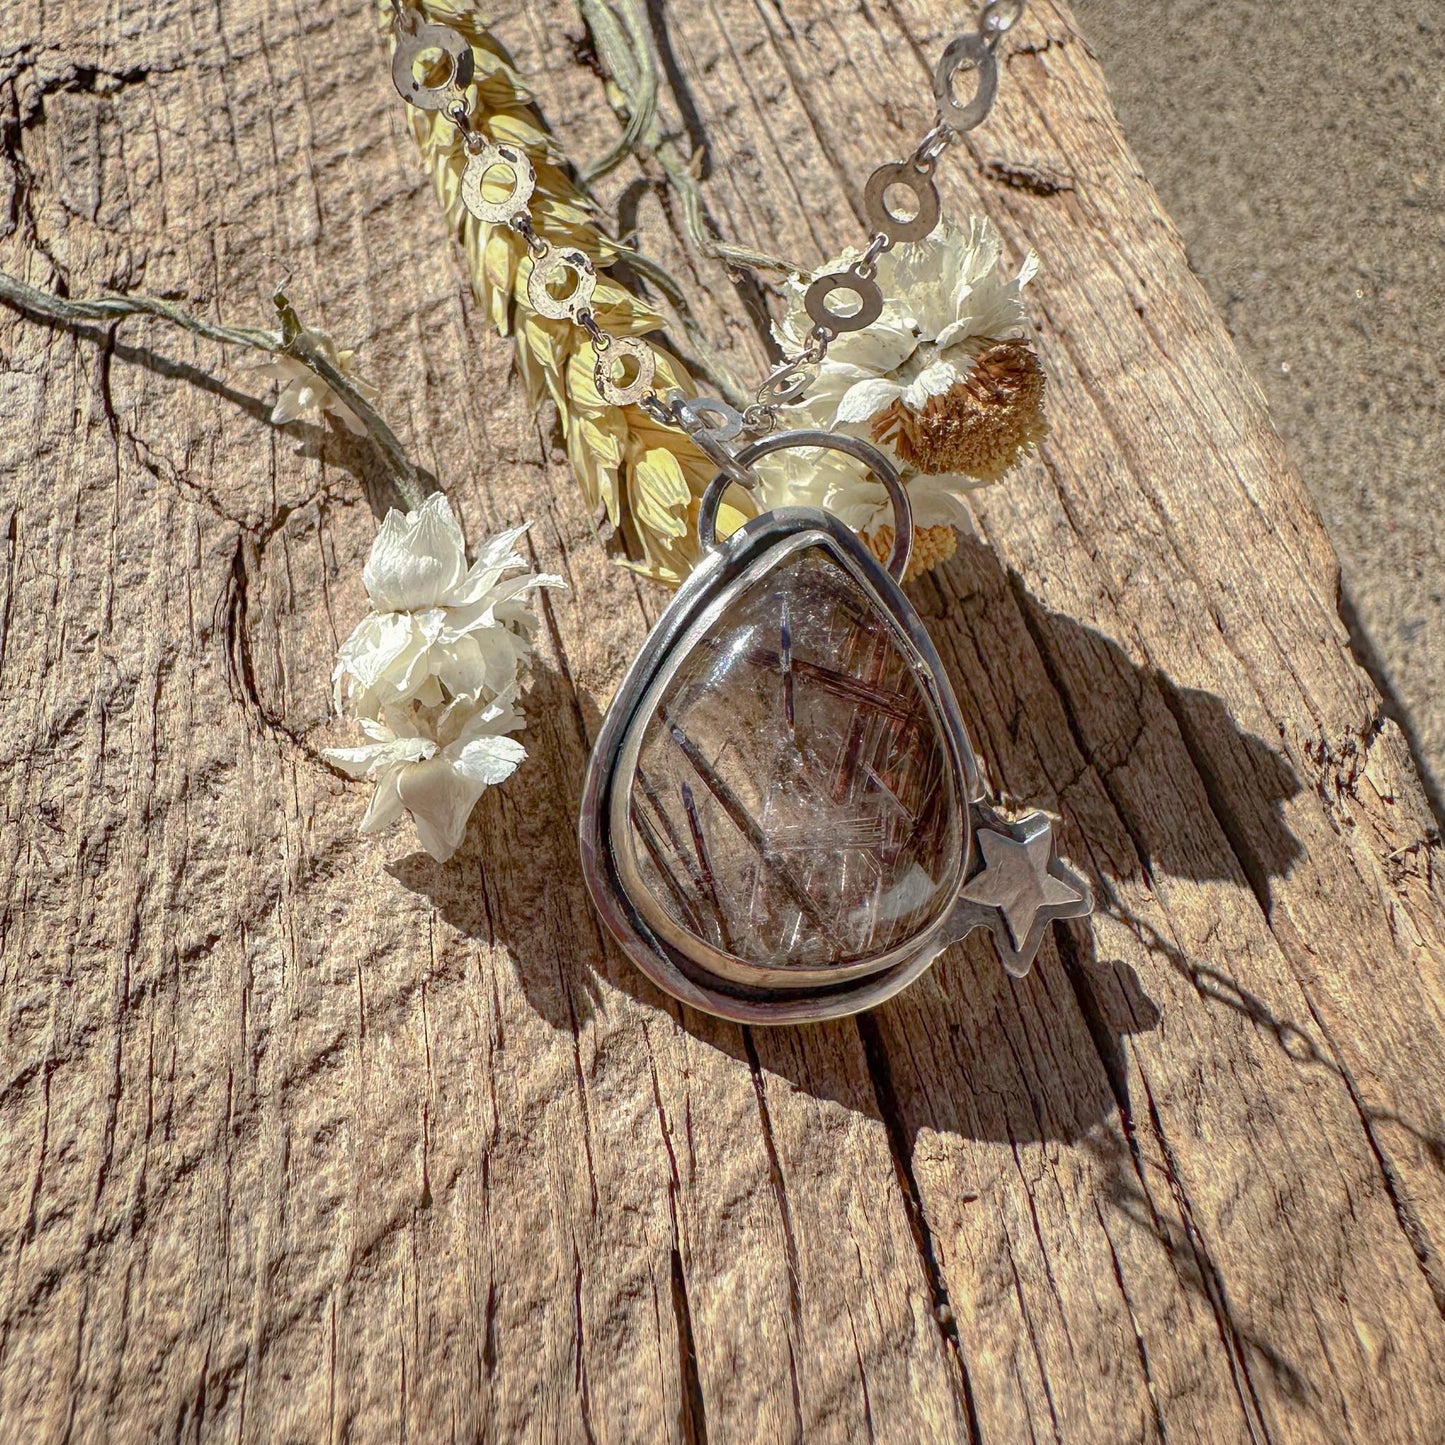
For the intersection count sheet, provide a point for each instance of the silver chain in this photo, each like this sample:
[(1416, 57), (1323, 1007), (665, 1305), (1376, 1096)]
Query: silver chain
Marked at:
[(968, 51), (626, 366)]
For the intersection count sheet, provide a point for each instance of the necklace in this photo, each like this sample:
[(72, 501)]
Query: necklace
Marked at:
[(783, 819)]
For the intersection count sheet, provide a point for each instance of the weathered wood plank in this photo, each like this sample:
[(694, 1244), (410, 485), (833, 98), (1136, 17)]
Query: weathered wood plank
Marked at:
[(306, 1136)]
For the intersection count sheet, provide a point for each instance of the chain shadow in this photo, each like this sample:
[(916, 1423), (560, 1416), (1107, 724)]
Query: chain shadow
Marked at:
[(1252, 1354), (1303, 1044)]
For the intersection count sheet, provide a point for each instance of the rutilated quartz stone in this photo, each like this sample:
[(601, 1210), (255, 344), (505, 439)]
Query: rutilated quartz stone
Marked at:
[(792, 803)]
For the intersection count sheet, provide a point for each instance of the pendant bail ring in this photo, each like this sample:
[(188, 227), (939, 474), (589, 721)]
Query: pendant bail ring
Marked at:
[(883, 472)]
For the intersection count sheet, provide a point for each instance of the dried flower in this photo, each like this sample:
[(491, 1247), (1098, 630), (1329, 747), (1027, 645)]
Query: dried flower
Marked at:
[(438, 629), (432, 672), (945, 379), (931, 545), (302, 390), (434, 763), (980, 425)]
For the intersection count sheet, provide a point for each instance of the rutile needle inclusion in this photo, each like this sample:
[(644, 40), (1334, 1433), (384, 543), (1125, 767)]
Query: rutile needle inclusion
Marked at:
[(792, 803)]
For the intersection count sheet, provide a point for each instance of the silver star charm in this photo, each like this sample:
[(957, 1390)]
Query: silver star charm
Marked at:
[(1028, 885)]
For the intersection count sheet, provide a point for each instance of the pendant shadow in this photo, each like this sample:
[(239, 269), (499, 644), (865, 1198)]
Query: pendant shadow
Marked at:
[(966, 1050), (966, 1053)]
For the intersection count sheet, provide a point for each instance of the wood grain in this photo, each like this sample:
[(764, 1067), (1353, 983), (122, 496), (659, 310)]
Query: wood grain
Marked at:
[(306, 1137)]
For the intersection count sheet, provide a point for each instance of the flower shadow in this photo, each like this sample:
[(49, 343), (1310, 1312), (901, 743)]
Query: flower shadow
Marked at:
[(333, 445), (356, 456), (1024, 671)]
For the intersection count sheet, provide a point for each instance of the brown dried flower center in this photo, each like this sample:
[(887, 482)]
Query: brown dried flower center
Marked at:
[(981, 424)]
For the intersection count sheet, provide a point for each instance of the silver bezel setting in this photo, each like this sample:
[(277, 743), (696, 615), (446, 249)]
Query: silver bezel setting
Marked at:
[(680, 963)]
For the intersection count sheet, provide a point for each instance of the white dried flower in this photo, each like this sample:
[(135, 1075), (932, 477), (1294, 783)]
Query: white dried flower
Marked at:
[(945, 380), (433, 672), (438, 629), (302, 390), (434, 763)]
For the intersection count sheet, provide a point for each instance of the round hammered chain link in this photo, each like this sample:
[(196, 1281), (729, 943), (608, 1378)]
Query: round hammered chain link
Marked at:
[(486, 158), (571, 267), (417, 38), (625, 366)]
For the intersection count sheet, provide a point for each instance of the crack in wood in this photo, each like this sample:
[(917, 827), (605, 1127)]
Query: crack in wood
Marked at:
[(692, 1411), (785, 1218), (880, 1073), (1204, 1271), (692, 1406), (12, 549), (583, 1391), (1035, 1347), (1411, 1224), (1144, 1366), (1037, 180)]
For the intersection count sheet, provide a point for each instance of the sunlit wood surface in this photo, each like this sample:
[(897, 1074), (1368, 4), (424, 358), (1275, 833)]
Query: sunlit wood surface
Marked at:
[(306, 1137)]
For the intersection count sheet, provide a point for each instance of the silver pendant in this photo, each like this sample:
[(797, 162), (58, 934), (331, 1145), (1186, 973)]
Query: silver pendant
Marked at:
[(783, 818)]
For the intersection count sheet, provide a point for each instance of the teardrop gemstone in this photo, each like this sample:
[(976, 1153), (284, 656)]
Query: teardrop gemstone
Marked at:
[(793, 803)]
